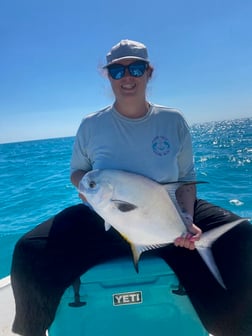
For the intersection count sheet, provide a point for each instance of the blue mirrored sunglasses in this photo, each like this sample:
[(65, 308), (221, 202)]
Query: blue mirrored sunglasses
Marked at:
[(136, 69)]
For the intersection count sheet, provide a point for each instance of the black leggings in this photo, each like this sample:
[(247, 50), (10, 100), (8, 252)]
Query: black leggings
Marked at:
[(49, 258)]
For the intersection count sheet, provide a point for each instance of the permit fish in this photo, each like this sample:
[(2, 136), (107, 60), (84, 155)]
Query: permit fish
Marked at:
[(145, 212)]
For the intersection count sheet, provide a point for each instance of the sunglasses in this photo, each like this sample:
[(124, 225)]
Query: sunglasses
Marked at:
[(136, 69)]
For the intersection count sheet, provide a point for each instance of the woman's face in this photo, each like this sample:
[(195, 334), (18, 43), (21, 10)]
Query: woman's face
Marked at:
[(129, 87)]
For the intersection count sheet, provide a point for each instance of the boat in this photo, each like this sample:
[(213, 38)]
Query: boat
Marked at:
[(7, 307), (111, 299)]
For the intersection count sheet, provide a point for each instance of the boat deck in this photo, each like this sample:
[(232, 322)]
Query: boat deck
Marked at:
[(7, 307)]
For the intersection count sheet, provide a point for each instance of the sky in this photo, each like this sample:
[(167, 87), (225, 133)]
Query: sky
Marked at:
[(51, 53)]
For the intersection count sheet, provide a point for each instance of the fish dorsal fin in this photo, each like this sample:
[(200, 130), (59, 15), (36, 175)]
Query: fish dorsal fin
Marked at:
[(124, 206), (171, 190), (171, 187), (137, 250), (107, 226)]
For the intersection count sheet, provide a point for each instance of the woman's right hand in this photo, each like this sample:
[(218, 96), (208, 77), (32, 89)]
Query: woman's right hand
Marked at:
[(188, 239)]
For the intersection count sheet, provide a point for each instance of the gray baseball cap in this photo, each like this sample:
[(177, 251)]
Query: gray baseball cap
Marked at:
[(127, 49)]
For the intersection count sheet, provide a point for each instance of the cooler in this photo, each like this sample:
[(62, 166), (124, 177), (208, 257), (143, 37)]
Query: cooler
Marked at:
[(115, 300)]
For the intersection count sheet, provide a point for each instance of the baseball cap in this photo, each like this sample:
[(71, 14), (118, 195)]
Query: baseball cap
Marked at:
[(127, 49)]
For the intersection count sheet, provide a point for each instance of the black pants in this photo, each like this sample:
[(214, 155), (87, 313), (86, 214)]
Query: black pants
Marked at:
[(50, 257)]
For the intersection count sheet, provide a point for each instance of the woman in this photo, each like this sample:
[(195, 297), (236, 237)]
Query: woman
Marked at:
[(131, 125), (154, 141)]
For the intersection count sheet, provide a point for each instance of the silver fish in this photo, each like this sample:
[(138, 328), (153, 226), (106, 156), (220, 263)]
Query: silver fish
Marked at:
[(144, 212)]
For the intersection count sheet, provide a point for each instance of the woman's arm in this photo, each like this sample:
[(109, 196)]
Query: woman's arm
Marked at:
[(186, 196), (76, 176)]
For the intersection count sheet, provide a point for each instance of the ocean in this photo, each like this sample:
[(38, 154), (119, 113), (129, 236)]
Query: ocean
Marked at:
[(35, 183)]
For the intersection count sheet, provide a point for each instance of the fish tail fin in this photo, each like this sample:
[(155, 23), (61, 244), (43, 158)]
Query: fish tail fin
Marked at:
[(209, 237), (207, 255), (203, 246)]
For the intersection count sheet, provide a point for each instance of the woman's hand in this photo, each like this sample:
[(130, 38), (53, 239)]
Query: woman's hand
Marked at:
[(186, 196), (188, 239)]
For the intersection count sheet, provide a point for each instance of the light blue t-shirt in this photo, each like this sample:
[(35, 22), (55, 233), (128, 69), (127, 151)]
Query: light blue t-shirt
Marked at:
[(157, 145)]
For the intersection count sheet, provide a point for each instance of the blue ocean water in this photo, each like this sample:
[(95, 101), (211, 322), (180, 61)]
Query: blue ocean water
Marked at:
[(35, 183)]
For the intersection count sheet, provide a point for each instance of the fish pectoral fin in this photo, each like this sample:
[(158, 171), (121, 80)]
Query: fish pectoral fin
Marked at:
[(207, 255), (137, 250), (107, 226), (124, 206)]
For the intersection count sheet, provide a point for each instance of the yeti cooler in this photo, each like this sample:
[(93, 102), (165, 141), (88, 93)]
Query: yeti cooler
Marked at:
[(112, 299)]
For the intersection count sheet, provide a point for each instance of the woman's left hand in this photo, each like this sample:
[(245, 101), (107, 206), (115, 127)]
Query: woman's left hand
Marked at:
[(188, 239)]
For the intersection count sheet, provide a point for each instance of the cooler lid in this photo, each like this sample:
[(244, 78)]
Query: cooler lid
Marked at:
[(122, 270)]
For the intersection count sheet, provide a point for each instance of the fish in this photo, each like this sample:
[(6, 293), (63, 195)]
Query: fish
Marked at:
[(145, 212)]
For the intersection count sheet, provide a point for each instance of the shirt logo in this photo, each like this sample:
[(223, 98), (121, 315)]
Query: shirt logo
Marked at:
[(160, 145)]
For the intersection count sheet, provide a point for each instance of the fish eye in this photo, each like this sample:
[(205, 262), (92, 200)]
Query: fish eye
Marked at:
[(92, 184)]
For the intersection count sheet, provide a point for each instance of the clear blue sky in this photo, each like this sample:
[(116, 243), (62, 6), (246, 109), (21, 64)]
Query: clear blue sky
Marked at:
[(51, 50)]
